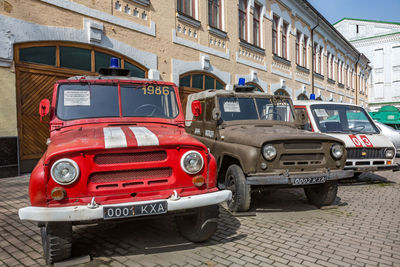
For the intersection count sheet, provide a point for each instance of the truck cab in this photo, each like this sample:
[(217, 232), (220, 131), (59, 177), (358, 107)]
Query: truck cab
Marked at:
[(367, 148), (118, 150), (257, 145)]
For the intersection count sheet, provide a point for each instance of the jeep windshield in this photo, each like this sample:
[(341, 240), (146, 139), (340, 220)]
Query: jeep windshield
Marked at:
[(331, 118), (241, 108), (84, 101)]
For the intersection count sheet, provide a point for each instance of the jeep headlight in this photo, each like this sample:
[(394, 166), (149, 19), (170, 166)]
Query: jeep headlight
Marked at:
[(269, 152), (64, 171), (192, 162), (389, 153), (337, 151)]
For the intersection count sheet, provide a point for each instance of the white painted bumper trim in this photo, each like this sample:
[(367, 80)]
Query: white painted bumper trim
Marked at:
[(84, 213)]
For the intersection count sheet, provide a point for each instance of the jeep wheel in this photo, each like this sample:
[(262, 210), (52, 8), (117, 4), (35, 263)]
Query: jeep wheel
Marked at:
[(200, 226), (56, 241), (322, 195), (241, 192)]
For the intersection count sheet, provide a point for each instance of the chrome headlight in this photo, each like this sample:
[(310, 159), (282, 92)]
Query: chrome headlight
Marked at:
[(192, 162), (389, 153), (64, 171), (337, 151), (269, 152)]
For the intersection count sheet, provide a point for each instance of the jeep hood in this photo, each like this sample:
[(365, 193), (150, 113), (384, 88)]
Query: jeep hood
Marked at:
[(257, 135), (108, 137)]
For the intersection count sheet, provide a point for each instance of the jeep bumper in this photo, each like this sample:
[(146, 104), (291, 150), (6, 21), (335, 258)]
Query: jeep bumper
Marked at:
[(289, 179), (87, 213), (392, 167)]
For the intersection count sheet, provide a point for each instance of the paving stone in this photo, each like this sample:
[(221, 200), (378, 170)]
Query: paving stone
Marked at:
[(363, 233)]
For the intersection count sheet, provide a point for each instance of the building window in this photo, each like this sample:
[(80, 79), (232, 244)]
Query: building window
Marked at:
[(328, 71), (315, 57), (275, 23), (214, 13), (284, 40), (320, 60), (186, 7), (304, 45), (242, 19), (256, 24), (331, 68), (298, 48)]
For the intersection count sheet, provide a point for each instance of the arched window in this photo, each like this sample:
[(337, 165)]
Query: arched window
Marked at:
[(281, 92), (258, 88), (194, 82), (76, 57), (302, 97), (202, 81)]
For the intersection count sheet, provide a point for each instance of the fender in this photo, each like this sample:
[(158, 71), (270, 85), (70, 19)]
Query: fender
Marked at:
[(37, 185)]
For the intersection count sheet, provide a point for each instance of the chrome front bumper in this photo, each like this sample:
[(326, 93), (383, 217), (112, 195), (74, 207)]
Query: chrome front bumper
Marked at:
[(90, 212), (288, 179)]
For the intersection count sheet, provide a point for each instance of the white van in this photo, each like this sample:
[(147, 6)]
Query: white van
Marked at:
[(367, 148)]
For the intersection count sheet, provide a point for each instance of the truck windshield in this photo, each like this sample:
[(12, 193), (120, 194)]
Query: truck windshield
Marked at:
[(83, 101), (331, 118), (234, 108)]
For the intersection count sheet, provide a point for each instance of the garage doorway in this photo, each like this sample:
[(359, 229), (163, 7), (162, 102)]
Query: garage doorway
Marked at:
[(38, 66)]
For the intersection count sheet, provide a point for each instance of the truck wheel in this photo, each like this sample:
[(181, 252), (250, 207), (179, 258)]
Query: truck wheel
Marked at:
[(56, 241), (200, 226), (322, 195), (241, 192)]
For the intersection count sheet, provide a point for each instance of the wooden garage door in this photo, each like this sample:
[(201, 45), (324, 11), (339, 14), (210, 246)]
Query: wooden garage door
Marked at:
[(38, 66), (34, 86)]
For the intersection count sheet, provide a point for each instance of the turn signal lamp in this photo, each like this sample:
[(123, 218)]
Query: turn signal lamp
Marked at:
[(198, 180), (58, 193), (389, 162)]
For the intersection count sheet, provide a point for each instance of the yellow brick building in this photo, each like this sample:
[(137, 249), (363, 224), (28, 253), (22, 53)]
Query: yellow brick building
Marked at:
[(198, 44)]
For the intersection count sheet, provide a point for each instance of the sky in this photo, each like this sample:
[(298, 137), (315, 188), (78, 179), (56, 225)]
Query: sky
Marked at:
[(335, 10)]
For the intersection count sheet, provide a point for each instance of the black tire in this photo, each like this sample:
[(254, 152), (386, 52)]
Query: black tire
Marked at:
[(235, 181), (200, 226), (56, 241), (322, 195)]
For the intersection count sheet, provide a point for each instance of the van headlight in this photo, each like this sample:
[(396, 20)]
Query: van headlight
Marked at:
[(192, 162), (389, 153), (64, 171), (269, 152), (337, 151)]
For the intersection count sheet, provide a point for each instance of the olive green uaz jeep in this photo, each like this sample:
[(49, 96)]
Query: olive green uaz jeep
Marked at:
[(257, 144)]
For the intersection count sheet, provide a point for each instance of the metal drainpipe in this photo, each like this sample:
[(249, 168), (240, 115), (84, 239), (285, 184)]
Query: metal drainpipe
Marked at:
[(313, 56)]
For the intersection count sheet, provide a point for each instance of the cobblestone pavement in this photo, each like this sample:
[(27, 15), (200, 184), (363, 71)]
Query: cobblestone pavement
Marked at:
[(363, 230)]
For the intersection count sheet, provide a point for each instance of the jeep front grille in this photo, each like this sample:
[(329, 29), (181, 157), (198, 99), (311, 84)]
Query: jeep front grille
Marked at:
[(301, 159), (118, 158), (302, 145), (366, 153), (121, 176)]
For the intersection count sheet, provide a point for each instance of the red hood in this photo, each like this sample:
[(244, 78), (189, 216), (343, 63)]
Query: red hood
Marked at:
[(104, 137)]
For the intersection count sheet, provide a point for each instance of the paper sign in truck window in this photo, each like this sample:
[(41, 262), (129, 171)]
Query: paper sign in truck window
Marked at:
[(76, 98), (231, 107), (321, 113)]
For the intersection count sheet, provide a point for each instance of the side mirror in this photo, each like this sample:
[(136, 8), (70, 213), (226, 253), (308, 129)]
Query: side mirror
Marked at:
[(301, 117), (44, 108), (216, 114), (196, 108)]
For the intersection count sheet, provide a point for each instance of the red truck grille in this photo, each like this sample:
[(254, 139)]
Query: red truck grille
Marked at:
[(122, 176), (130, 157)]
